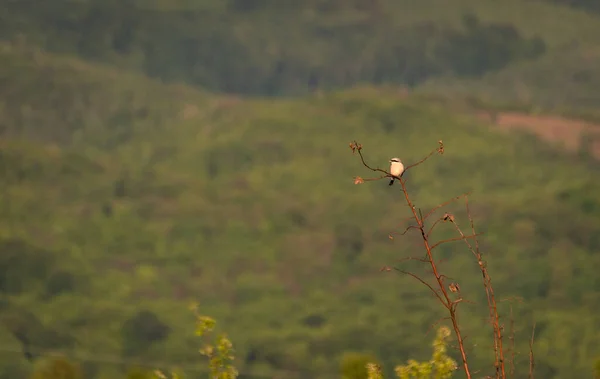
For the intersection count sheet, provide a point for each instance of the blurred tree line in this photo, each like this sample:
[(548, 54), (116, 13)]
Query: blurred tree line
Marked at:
[(266, 47), (589, 5)]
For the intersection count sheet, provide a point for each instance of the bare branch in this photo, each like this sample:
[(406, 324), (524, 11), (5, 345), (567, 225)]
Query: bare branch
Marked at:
[(409, 228), (531, 358), (413, 259), (512, 343), (433, 226), (439, 150), (441, 293), (454, 239), (358, 148), (359, 180), (424, 282), (472, 222), (445, 203), (489, 290)]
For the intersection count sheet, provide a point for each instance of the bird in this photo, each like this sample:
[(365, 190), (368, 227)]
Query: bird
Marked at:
[(396, 169)]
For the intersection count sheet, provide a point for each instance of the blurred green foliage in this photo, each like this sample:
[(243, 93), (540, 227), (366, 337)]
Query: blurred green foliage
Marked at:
[(139, 373), (141, 331), (518, 53), (590, 5), (354, 365), (124, 198), (270, 48), (58, 368)]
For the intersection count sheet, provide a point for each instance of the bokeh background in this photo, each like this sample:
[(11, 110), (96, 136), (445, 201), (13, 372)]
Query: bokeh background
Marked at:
[(155, 153)]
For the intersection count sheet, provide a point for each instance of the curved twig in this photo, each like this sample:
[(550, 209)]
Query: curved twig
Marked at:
[(409, 228), (422, 281), (455, 239), (446, 203), (433, 226), (413, 259)]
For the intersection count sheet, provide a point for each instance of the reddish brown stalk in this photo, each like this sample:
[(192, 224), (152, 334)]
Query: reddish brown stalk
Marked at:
[(439, 290), (489, 291), (492, 305), (448, 303), (512, 343), (444, 204), (531, 358), (444, 298)]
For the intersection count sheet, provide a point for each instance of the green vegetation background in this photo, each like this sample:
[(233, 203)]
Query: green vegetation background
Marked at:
[(149, 159)]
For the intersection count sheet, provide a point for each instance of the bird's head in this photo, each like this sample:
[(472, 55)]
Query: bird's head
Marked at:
[(395, 160)]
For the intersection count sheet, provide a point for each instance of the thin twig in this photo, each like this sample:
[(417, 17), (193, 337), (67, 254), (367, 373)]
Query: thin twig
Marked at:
[(433, 226), (424, 159), (492, 306), (444, 204), (487, 283), (358, 179), (355, 146), (414, 259), (422, 281), (531, 358), (409, 228), (512, 343), (446, 300), (454, 239)]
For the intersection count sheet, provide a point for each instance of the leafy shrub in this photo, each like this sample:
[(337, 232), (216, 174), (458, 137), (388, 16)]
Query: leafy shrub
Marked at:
[(58, 368), (219, 353), (354, 365), (441, 366)]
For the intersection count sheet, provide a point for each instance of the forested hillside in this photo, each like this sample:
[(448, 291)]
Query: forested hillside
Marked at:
[(130, 189), (288, 47)]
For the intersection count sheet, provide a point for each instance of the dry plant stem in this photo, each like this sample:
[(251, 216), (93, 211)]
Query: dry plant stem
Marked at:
[(531, 359), (448, 303), (444, 204), (492, 305), (512, 343), (491, 299)]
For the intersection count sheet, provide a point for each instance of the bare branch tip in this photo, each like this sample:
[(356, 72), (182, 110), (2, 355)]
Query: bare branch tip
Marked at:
[(358, 180), (355, 146), (448, 217), (454, 287)]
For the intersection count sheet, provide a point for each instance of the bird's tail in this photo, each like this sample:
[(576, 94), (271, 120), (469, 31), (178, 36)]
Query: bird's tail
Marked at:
[(391, 181)]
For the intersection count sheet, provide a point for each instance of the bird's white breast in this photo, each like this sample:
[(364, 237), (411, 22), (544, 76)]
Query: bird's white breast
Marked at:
[(396, 168)]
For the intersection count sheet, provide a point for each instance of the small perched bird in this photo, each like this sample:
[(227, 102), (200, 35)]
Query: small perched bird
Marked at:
[(396, 169)]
